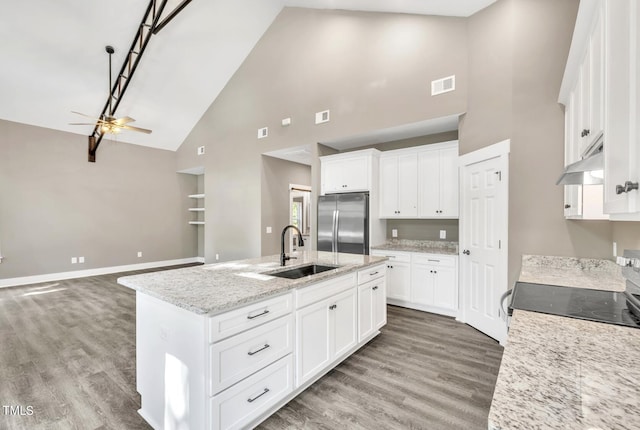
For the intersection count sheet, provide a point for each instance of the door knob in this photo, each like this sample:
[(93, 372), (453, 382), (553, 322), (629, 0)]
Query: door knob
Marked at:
[(466, 252)]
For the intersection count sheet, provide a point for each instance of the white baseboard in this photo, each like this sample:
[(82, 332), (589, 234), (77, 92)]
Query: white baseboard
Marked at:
[(36, 279)]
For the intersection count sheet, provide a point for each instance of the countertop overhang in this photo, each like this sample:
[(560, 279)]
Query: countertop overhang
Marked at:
[(214, 288)]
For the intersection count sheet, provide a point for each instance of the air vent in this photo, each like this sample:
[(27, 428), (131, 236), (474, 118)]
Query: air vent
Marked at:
[(322, 117), (263, 132), (443, 85)]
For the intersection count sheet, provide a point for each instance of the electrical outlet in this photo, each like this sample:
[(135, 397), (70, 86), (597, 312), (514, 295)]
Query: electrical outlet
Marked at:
[(139, 254), (286, 122), (443, 234), (394, 232), (74, 260), (615, 249), (217, 257), (268, 230), (200, 150), (263, 132), (80, 259)]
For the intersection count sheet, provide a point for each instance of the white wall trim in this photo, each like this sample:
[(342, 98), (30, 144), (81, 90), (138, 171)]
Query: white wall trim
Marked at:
[(486, 153), (26, 280)]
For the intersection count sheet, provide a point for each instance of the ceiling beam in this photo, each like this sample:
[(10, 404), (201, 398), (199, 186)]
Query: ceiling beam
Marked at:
[(138, 46)]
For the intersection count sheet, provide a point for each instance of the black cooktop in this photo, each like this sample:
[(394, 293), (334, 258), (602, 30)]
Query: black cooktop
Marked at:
[(593, 305)]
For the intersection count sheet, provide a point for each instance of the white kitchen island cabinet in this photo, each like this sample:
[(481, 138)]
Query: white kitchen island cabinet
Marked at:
[(224, 346)]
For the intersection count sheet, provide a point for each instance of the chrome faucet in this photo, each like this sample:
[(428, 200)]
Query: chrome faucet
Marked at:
[(283, 256)]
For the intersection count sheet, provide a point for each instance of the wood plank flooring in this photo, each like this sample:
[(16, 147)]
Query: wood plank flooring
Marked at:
[(67, 349)]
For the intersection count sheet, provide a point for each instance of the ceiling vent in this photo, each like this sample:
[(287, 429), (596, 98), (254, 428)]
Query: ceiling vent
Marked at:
[(443, 85)]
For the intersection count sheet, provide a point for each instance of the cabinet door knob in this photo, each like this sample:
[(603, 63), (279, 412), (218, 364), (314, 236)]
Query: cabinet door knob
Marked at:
[(628, 186), (466, 252), (375, 288), (585, 132), (567, 206)]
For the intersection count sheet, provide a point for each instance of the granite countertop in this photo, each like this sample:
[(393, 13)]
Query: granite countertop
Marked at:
[(572, 272), (566, 373), (425, 246), (215, 288)]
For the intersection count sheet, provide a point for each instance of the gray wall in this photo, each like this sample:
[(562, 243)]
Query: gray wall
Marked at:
[(423, 229), (276, 176), (372, 70), (55, 205), (517, 69)]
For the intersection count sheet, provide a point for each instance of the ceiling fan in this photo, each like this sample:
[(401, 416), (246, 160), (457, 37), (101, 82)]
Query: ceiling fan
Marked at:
[(109, 123)]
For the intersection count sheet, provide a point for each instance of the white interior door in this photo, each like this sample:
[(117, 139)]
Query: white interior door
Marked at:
[(483, 240)]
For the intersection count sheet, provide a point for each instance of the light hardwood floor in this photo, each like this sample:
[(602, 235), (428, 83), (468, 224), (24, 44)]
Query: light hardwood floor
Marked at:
[(67, 349)]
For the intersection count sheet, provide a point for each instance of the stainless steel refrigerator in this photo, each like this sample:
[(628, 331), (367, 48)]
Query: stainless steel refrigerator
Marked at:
[(343, 223)]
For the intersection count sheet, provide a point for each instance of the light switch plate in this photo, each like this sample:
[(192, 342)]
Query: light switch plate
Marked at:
[(269, 230), (443, 234), (394, 232), (80, 259), (74, 260)]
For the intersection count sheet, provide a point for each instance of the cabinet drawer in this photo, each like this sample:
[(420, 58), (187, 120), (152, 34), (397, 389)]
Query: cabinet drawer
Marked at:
[(250, 316), (239, 356), (244, 402), (434, 259), (370, 273), (394, 255), (306, 296)]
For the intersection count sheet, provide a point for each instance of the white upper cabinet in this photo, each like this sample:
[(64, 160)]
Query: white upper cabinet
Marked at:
[(420, 182), (583, 94), (438, 181), (399, 185), (622, 113), (348, 172)]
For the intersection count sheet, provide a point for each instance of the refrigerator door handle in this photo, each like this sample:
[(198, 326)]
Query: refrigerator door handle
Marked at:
[(334, 231)]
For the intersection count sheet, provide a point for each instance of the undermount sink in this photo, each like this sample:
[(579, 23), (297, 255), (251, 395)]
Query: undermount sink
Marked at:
[(301, 272)]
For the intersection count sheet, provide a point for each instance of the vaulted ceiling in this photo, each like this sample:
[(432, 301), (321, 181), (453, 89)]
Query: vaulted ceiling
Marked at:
[(54, 62)]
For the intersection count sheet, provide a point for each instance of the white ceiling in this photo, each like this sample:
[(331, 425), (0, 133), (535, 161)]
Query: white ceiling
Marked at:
[(53, 58)]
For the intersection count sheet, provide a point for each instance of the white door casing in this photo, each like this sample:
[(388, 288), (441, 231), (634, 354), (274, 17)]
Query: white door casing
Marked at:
[(484, 196)]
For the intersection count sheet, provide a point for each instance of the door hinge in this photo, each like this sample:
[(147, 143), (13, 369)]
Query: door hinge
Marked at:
[(499, 173)]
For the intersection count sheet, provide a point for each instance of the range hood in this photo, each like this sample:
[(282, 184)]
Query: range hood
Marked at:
[(587, 171)]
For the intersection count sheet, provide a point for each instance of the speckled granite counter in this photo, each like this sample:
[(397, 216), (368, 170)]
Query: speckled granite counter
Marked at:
[(215, 288), (572, 272), (426, 246), (565, 373)]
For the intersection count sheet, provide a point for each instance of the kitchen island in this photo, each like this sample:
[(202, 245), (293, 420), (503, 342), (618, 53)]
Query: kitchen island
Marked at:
[(565, 373), (225, 345)]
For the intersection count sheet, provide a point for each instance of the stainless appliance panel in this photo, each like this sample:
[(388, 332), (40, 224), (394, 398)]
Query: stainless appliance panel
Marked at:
[(326, 222), (353, 223)]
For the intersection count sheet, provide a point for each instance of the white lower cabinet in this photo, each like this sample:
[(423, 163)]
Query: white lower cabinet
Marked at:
[(326, 330), (398, 274), (433, 283), (246, 401), (427, 282), (372, 307)]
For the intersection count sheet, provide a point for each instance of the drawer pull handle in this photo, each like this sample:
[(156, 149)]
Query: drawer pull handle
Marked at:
[(375, 288), (437, 261), (372, 274), (250, 317), (250, 400), (266, 345)]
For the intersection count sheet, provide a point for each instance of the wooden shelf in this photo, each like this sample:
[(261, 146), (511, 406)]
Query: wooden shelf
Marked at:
[(196, 209), (196, 222), (196, 196)]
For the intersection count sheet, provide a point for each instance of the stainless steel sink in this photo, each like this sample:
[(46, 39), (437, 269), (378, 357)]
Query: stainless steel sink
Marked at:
[(302, 271)]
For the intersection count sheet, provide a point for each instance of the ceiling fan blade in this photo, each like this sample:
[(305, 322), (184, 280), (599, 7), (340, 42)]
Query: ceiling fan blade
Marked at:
[(124, 120), (85, 115), (81, 123), (129, 127)]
